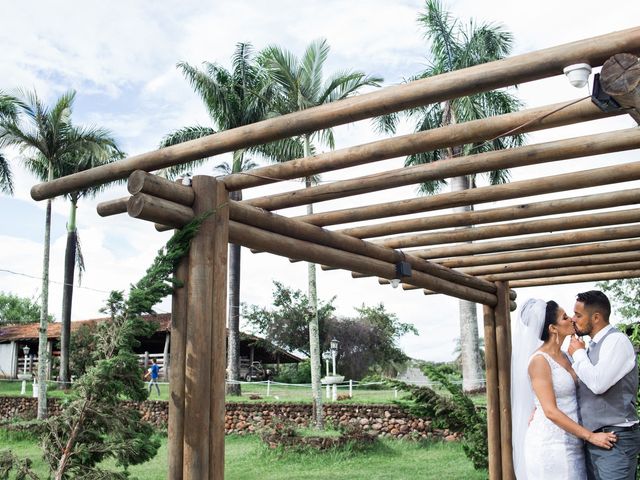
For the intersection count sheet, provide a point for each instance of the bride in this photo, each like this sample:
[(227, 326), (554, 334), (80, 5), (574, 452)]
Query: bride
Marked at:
[(547, 438)]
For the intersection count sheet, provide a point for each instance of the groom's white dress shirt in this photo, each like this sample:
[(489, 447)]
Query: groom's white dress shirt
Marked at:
[(617, 358)]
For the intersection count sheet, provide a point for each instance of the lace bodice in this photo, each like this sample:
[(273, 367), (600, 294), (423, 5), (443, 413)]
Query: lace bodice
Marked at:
[(550, 452)]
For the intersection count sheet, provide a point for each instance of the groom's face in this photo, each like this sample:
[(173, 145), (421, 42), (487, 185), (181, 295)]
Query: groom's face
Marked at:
[(582, 319)]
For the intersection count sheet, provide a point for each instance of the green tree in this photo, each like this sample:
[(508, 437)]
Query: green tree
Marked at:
[(236, 97), (453, 46), (15, 309), (625, 296), (301, 85), (47, 141)]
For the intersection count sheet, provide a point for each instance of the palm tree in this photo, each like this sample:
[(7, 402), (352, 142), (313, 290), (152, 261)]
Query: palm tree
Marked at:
[(47, 141), (7, 111), (233, 98), (302, 86), (452, 47), (101, 149)]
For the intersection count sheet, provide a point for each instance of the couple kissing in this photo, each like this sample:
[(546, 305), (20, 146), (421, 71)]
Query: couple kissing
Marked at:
[(574, 412)]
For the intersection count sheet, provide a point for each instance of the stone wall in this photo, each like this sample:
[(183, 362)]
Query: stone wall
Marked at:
[(383, 420)]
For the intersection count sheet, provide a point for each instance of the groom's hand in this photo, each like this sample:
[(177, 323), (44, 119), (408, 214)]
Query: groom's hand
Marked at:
[(575, 344)]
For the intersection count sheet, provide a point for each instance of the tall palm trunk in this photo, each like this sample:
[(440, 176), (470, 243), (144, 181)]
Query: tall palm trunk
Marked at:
[(472, 374), (233, 347), (67, 293), (314, 327), (44, 314)]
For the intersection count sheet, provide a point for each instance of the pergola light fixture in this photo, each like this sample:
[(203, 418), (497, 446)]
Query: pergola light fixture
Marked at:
[(578, 74)]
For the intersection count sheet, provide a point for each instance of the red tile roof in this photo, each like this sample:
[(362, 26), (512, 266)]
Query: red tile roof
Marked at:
[(29, 331)]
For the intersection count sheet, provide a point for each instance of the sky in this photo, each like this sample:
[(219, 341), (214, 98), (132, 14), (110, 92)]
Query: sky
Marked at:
[(120, 57)]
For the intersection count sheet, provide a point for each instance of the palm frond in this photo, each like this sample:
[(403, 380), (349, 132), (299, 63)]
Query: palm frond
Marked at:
[(311, 65), (440, 29), (6, 177), (343, 84), (180, 136), (79, 258)]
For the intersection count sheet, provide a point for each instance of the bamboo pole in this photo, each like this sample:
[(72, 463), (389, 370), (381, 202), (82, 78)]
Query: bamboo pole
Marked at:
[(590, 249), (513, 229), (589, 277), (554, 263), (156, 209), (156, 186), (483, 162), (177, 372), (493, 395), (112, 207), (503, 350), (474, 131), (476, 196), (249, 215), (620, 78), (252, 237), (516, 212), (556, 239), (218, 320), (487, 76)]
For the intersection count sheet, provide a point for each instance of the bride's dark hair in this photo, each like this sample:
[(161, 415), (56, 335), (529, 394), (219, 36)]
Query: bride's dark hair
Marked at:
[(550, 318)]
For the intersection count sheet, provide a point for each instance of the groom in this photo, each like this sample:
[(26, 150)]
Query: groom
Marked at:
[(608, 387)]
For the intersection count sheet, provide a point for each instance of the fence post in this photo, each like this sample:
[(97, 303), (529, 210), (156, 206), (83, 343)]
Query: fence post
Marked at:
[(268, 387), (328, 391), (350, 388), (395, 392)]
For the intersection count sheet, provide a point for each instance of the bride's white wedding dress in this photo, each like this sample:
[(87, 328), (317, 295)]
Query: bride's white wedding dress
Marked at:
[(550, 452)]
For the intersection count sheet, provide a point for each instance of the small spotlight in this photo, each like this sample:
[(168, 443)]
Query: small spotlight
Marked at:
[(394, 282), (578, 74)]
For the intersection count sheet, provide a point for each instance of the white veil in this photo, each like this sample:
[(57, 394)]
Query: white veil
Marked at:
[(525, 339)]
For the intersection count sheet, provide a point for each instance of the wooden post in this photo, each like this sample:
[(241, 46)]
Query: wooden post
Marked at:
[(177, 372), (503, 350), (493, 396), (620, 78), (204, 389), (587, 277)]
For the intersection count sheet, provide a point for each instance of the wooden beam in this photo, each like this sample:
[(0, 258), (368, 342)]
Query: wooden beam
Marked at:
[(579, 261), (588, 277), (555, 272), (256, 217), (112, 207), (483, 162), (475, 196), (513, 229), (503, 350), (516, 212), (156, 186), (620, 78), (252, 237), (493, 394), (154, 209), (487, 76), (475, 131), (541, 254), (556, 239)]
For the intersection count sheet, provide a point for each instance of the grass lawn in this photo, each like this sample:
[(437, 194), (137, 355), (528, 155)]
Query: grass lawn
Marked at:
[(247, 458)]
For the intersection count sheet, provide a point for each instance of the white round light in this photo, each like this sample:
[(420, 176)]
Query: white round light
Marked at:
[(578, 74)]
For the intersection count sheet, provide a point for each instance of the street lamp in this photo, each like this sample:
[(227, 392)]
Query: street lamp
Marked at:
[(326, 356), (334, 353), (25, 349)]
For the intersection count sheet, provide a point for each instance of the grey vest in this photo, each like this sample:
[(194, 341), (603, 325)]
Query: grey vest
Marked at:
[(616, 405)]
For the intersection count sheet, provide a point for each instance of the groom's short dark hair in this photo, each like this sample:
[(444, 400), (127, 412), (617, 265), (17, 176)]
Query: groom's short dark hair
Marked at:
[(596, 300)]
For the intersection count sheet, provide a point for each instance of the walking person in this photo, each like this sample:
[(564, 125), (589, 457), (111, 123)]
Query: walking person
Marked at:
[(152, 374)]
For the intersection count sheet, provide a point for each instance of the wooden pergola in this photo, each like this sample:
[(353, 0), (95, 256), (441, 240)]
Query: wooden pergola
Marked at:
[(592, 247)]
